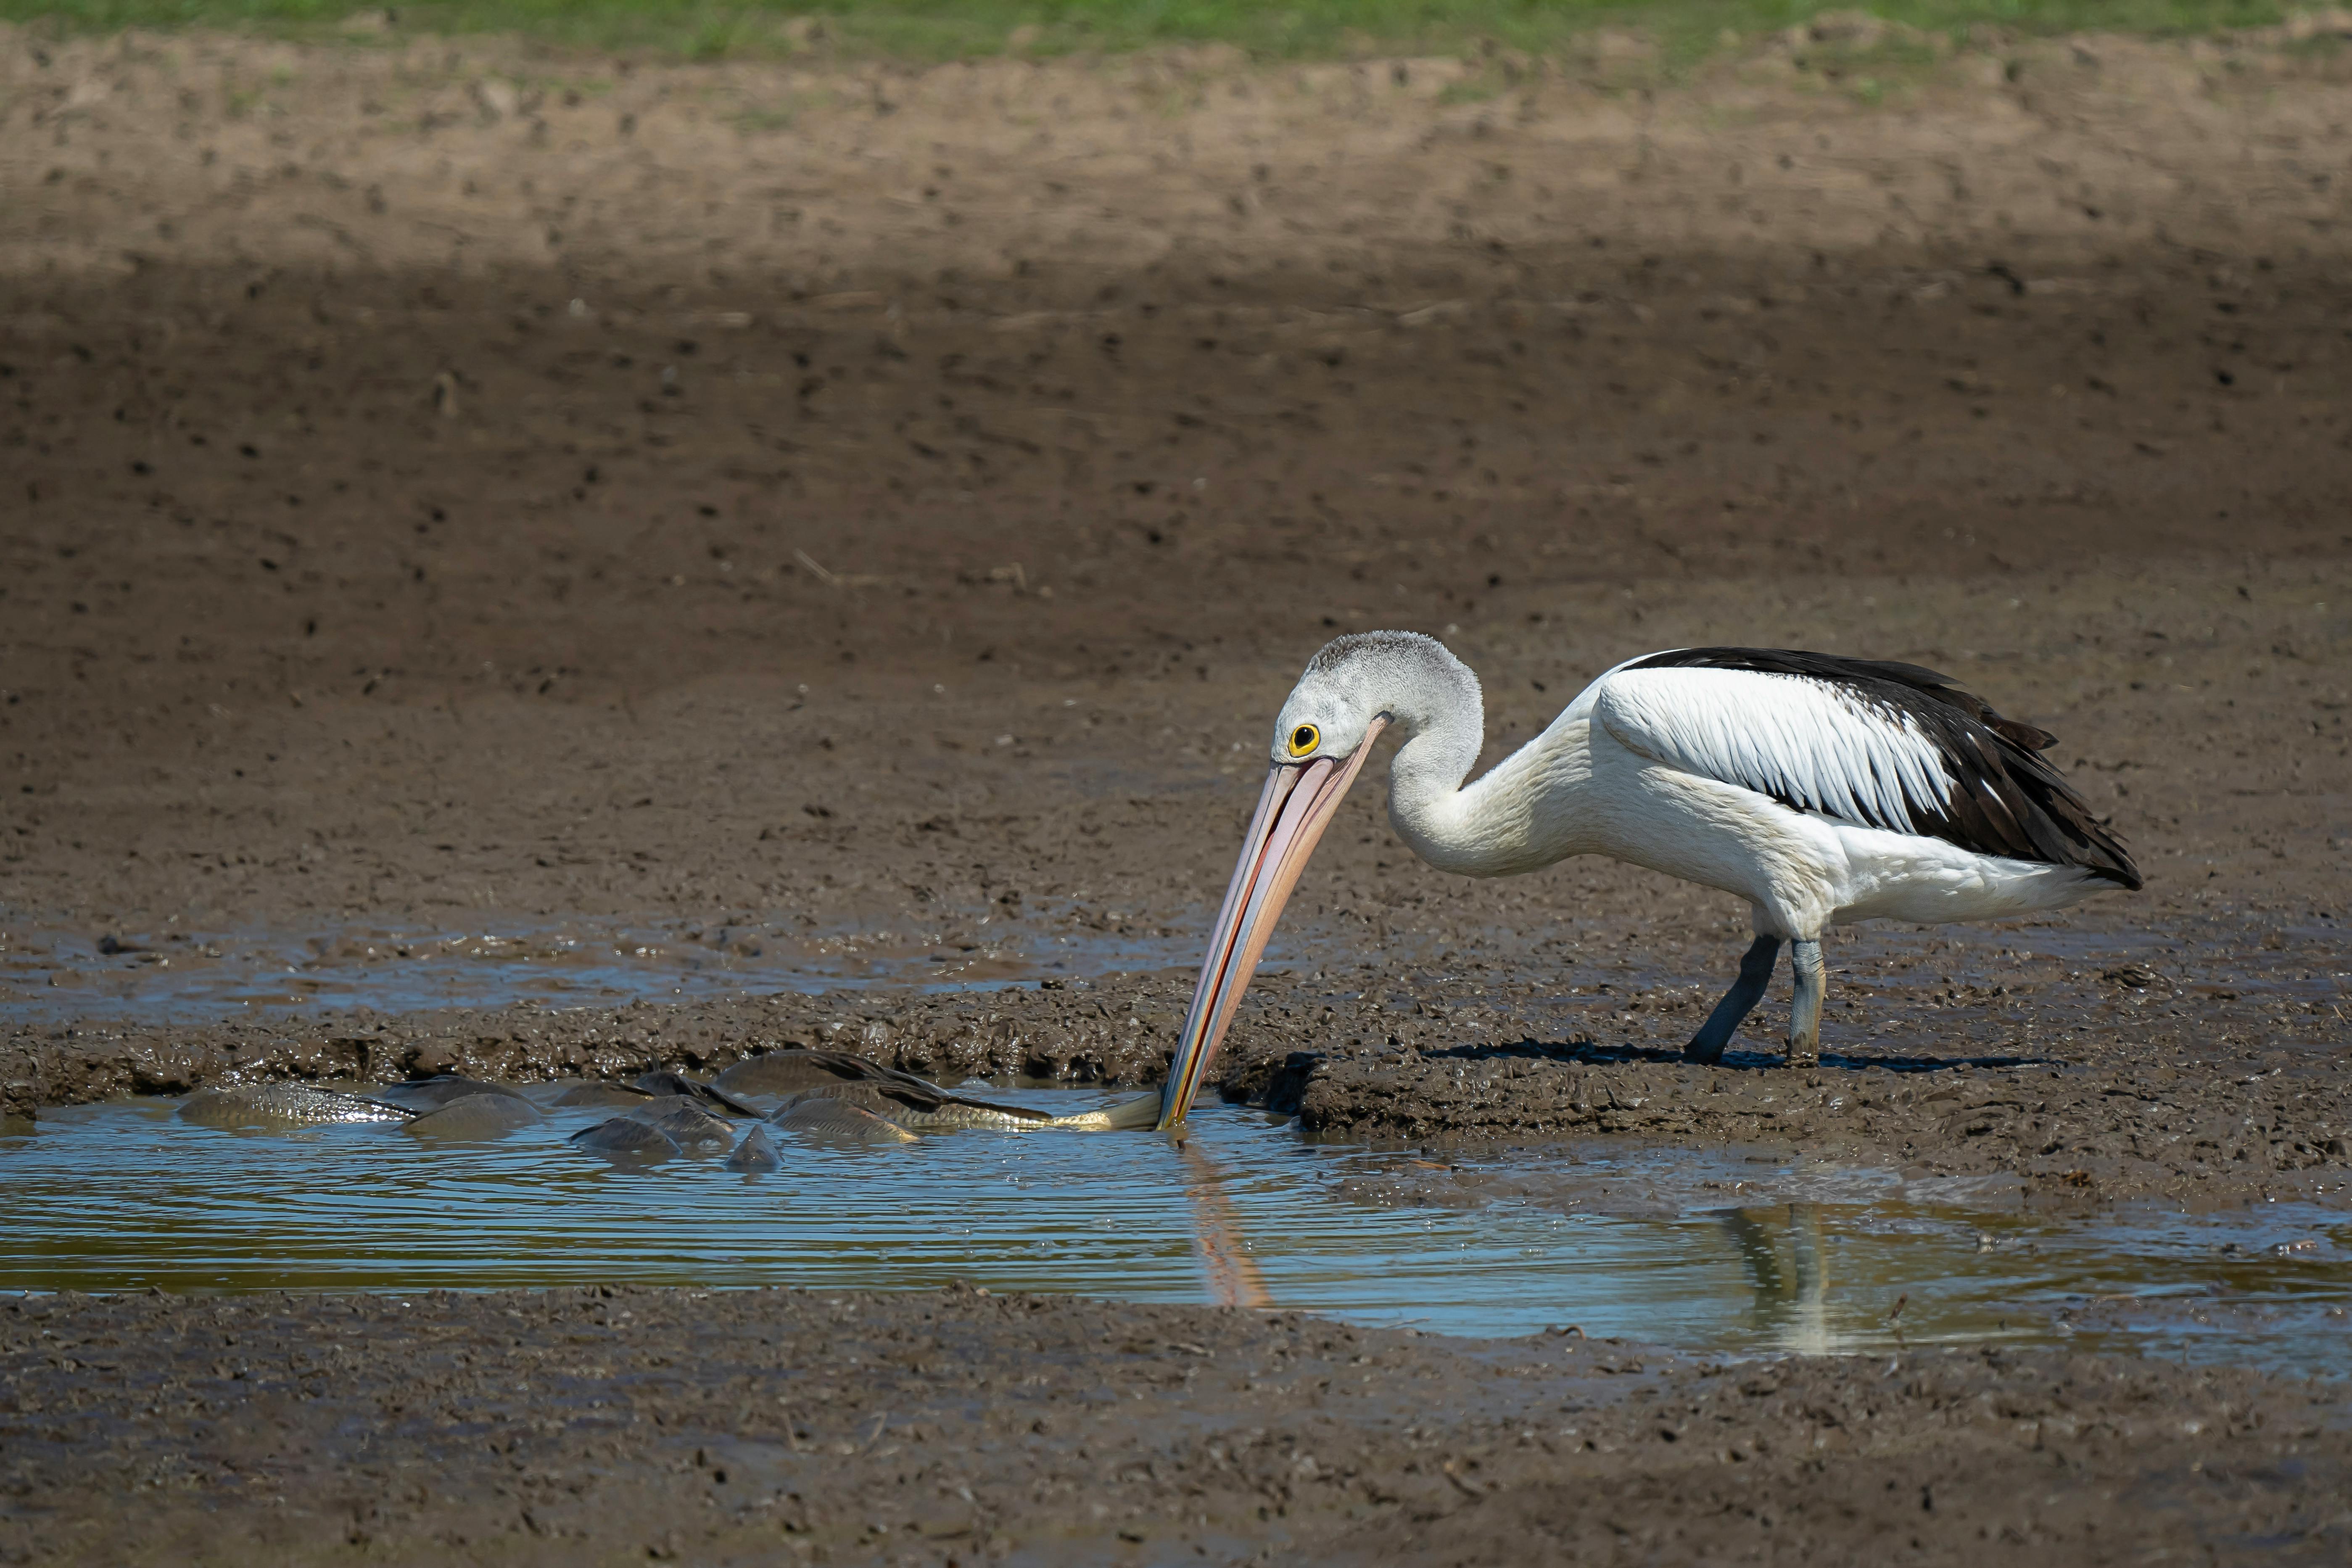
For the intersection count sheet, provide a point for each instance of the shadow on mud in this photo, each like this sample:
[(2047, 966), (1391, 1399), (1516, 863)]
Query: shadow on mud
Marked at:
[(1589, 1053)]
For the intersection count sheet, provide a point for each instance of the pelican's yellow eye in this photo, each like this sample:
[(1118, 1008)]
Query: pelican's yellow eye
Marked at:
[(1305, 739)]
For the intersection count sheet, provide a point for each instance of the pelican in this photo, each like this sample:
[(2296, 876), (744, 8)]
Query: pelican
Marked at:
[(1823, 790)]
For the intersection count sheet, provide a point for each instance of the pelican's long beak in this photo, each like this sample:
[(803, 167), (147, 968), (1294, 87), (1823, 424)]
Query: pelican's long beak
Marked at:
[(1299, 802)]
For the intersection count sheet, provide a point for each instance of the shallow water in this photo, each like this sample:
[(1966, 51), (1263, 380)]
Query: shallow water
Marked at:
[(1800, 1258), (172, 975)]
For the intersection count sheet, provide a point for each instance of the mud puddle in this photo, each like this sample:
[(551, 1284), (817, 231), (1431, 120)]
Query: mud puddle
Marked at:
[(186, 977), (1730, 1253), (53, 974)]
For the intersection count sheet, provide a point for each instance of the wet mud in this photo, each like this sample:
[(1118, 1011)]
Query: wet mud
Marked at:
[(2085, 1088), (858, 526), (611, 1424)]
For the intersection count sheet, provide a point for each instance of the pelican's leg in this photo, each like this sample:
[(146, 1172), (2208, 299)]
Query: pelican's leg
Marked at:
[(1755, 974), (1805, 1008)]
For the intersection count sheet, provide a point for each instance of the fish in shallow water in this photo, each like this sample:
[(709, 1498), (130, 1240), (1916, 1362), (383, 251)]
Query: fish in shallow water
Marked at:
[(624, 1139), (825, 1120), (792, 1071), (693, 1126), (280, 1106), (443, 1089), (908, 1100), (599, 1096), (758, 1152), (664, 1083), (930, 1109), (475, 1117)]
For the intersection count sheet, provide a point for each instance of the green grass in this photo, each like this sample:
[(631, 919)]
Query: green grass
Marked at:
[(1281, 29)]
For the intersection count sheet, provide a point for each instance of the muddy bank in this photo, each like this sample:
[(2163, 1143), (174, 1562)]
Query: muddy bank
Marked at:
[(617, 1425), (2188, 1074)]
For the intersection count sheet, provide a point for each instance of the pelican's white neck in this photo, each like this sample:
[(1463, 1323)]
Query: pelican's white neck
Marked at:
[(1434, 705), (1490, 828), (1439, 714), (1441, 724)]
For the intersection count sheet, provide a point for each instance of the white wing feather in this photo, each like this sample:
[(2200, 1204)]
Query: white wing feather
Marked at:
[(1812, 742)]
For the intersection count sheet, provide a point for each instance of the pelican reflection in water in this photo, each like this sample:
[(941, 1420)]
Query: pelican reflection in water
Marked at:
[(1227, 1267), (1791, 1306)]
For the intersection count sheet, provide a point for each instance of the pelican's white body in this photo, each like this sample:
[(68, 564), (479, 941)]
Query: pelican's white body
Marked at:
[(1821, 790), (1641, 768)]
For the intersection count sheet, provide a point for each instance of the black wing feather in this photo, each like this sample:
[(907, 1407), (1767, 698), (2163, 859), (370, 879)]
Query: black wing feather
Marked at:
[(2006, 799)]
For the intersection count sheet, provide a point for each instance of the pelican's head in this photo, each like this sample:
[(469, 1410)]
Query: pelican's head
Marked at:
[(1354, 688), (1359, 682)]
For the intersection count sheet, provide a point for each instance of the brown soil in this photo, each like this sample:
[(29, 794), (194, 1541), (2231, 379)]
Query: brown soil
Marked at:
[(446, 484), (617, 1426)]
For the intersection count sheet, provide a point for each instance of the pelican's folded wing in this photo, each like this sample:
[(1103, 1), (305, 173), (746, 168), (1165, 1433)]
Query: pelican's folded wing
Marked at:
[(1809, 745), (1880, 745)]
